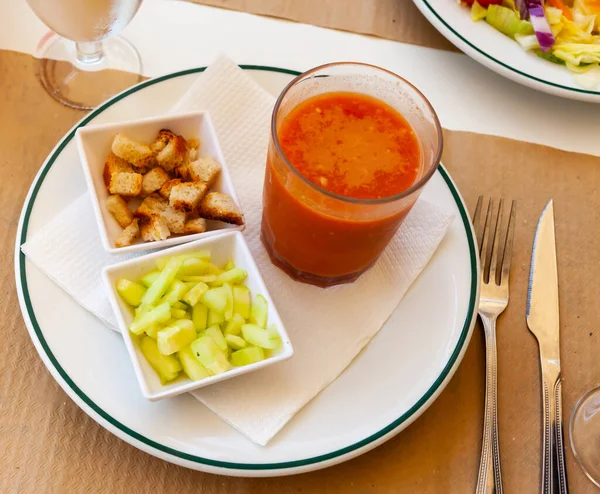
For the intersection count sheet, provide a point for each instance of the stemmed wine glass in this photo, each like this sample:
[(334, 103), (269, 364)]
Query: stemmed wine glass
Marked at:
[(85, 37), (584, 429)]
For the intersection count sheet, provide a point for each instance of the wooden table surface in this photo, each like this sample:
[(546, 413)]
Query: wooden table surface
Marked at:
[(50, 445)]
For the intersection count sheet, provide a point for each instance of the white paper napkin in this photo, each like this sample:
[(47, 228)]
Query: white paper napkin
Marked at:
[(328, 328)]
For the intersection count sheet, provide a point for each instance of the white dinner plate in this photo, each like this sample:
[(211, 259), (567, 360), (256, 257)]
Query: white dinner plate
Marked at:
[(386, 388), (503, 55)]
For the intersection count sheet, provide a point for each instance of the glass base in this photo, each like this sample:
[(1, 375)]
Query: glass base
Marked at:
[(86, 85), (584, 429), (311, 279)]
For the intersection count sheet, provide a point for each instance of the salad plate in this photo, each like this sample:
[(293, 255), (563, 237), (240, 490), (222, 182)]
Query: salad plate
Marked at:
[(396, 377), (505, 56)]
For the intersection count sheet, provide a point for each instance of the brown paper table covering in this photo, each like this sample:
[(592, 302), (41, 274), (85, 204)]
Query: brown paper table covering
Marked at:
[(49, 445)]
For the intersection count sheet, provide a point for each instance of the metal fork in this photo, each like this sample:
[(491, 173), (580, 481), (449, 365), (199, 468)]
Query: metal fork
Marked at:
[(495, 270)]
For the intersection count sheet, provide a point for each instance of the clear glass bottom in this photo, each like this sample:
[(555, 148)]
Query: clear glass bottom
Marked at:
[(584, 429), (84, 75)]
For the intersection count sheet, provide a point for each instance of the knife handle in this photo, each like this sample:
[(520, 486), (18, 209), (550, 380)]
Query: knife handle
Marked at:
[(554, 473)]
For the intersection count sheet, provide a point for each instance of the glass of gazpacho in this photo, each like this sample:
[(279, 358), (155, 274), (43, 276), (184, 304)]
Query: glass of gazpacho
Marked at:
[(352, 146)]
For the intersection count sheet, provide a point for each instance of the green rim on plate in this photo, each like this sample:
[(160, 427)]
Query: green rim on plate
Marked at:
[(22, 279), (502, 64)]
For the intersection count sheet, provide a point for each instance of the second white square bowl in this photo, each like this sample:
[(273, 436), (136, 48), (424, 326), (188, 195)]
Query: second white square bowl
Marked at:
[(94, 145)]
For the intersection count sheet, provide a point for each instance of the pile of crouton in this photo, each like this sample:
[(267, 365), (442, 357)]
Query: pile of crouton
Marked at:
[(174, 183)]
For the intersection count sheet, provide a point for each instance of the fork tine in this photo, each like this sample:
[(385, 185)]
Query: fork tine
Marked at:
[(477, 222), (485, 243), (508, 245), (495, 244)]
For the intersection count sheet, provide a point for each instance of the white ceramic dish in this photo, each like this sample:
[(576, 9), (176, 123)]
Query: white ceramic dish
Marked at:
[(396, 377), (93, 144), (501, 54), (225, 246)]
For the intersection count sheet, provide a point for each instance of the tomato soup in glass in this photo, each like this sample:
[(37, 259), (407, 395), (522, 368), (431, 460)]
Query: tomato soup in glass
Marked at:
[(351, 147)]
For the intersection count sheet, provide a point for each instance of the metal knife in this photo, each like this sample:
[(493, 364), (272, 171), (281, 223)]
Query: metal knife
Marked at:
[(543, 322)]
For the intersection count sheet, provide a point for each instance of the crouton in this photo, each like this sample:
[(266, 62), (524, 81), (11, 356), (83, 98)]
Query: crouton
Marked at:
[(175, 219), (187, 195), (165, 190), (193, 143), (154, 180), (192, 155), (183, 172), (154, 228), (129, 234), (196, 225), (151, 205), (117, 206), (219, 206), (205, 170), (114, 164), (161, 141), (136, 153), (125, 184), (173, 154)]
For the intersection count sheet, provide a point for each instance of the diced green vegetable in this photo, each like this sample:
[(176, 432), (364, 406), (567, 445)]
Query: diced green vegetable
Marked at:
[(247, 356), (206, 278), (166, 366), (215, 333), (159, 314), (199, 316), (210, 356), (274, 336), (233, 276), (153, 330), (214, 318), (192, 297), (149, 278), (477, 12), (176, 292), (215, 299), (175, 336), (193, 267), (230, 265), (180, 305), (161, 284), (203, 255), (234, 326), (241, 300), (214, 269), (258, 336), (259, 311), (235, 342), (193, 369), (178, 314), (228, 313), (130, 292)]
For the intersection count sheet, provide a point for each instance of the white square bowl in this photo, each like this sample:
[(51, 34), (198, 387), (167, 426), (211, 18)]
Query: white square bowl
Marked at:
[(224, 246), (94, 145)]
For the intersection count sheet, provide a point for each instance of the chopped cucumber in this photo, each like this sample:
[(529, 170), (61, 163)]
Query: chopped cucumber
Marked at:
[(235, 342), (130, 292), (149, 278), (234, 326), (241, 300), (259, 311), (209, 355), (214, 318), (193, 267), (258, 336), (214, 269), (176, 336), (233, 276), (153, 330), (247, 356), (166, 366), (215, 333), (159, 314), (274, 336), (194, 369), (192, 297), (230, 265), (162, 282), (180, 305), (178, 314), (228, 313), (176, 292), (477, 12), (199, 316), (203, 255), (215, 299), (206, 278)]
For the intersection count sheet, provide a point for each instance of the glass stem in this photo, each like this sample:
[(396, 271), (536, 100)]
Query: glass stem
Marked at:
[(89, 52)]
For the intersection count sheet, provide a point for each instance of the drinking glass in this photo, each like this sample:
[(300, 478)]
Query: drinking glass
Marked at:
[(85, 37), (317, 236), (584, 429)]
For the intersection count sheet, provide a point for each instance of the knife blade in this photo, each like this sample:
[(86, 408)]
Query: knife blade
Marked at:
[(543, 322)]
